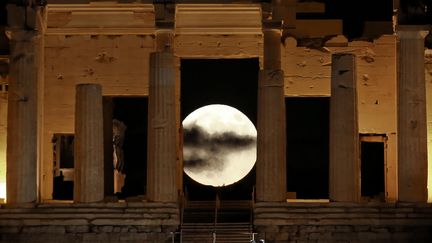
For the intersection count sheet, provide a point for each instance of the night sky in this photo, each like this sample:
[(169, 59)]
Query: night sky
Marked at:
[(232, 82)]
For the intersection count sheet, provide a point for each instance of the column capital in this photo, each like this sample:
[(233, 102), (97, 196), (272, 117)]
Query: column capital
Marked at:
[(21, 35), (271, 30), (163, 31), (274, 78), (24, 17), (164, 40), (24, 23), (412, 31)]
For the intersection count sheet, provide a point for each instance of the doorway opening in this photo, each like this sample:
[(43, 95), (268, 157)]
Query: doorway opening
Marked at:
[(307, 152), (373, 167), (231, 82), (129, 133), (63, 164)]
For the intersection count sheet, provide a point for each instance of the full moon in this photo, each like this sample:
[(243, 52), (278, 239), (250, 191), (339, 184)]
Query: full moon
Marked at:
[(219, 145)]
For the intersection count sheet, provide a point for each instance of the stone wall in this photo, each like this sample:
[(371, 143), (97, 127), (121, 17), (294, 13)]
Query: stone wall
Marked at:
[(274, 222), (118, 63), (343, 222), (93, 222), (307, 70)]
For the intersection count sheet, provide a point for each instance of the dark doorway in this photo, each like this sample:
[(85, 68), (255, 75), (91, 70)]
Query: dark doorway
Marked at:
[(132, 112), (372, 170), (307, 122), (230, 82), (63, 164)]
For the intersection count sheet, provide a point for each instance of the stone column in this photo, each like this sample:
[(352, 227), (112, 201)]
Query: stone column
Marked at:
[(162, 153), (21, 155), (271, 138), (344, 177), (412, 130), (89, 144)]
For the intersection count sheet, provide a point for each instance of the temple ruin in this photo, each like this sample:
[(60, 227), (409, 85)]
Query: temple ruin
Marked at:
[(341, 100)]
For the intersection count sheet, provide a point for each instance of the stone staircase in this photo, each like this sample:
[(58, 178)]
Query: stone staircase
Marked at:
[(210, 221), (220, 233)]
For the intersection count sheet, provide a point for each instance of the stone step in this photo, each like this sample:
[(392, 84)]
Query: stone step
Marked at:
[(232, 238), (223, 215), (226, 232), (224, 204), (220, 226)]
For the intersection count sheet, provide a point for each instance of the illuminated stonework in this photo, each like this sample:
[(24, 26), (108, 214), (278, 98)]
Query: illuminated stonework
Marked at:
[(137, 50), (3, 128)]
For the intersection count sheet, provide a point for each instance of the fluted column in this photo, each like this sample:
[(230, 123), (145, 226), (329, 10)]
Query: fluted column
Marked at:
[(21, 155), (344, 177), (89, 144), (412, 130), (271, 137), (161, 163)]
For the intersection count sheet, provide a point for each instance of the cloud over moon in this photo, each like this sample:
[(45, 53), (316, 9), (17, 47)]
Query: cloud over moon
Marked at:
[(219, 145), (205, 151)]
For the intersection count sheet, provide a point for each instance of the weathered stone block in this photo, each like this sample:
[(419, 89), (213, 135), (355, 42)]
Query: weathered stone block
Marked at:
[(271, 235), (308, 229), (314, 236), (361, 228), (344, 236), (117, 229), (124, 229), (282, 236), (291, 228), (19, 206), (320, 236), (132, 229), (120, 229), (53, 221), (44, 229), (135, 204), (380, 230), (170, 228), (302, 241), (344, 228), (106, 229), (367, 235), (100, 237), (10, 229), (77, 229)]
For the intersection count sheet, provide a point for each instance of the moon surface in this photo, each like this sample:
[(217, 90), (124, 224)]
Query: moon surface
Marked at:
[(219, 145)]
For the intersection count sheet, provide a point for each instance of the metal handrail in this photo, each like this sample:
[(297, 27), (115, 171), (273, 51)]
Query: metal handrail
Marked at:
[(182, 206), (216, 230), (181, 223)]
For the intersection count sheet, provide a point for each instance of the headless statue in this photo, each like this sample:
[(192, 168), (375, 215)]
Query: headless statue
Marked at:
[(119, 129)]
